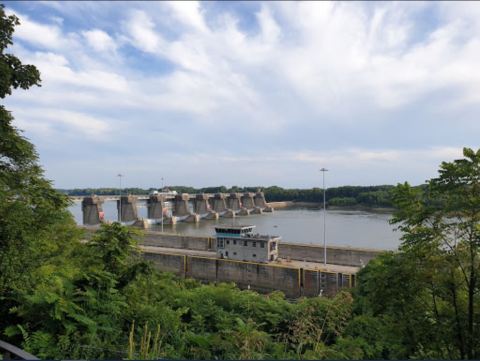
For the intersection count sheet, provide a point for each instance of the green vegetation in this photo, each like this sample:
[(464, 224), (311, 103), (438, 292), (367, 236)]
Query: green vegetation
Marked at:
[(346, 196), (61, 298), (105, 191)]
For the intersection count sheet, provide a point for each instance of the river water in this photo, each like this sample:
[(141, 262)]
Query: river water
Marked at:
[(297, 225)]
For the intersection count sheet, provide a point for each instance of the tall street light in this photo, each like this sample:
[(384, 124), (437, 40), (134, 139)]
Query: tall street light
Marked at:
[(120, 198), (162, 202), (323, 170)]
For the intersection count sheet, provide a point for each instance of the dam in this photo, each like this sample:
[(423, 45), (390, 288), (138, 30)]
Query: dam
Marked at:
[(172, 208)]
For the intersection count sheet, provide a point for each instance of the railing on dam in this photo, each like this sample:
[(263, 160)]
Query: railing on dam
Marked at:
[(11, 352)]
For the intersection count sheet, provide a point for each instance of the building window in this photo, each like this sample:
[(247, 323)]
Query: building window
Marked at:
[(220, 243), (226, 253), (234, 253), (254, 255), (262, 244), (245, 243), (234, 242), (254, 244), (228, 242)]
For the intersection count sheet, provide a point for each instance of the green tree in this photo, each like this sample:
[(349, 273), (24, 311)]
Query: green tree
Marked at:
[(441, 228), (35, 226), (394, 290)]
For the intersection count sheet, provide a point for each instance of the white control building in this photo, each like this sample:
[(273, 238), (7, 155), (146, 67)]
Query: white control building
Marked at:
[(240, 243)]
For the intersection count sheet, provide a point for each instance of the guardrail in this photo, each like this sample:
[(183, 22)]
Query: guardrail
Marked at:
[(10, 352)]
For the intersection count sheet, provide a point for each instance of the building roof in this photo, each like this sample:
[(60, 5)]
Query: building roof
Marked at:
[(236, 226), (249, 235)]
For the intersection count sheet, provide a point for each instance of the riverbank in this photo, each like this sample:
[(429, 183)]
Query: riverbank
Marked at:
[(316, 205), (279, 205)]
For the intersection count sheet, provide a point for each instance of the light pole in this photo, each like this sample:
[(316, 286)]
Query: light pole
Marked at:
[(162, 204), (323, 170), (120, 198)]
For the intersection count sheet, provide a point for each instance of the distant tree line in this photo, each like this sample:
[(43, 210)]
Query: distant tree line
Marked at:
[(105, 191), (346, 196)]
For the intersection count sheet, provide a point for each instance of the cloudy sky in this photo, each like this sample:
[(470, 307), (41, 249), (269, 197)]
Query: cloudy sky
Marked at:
[(248, 93)]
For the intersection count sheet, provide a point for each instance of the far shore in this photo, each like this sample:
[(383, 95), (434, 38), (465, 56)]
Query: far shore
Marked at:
[(293, 205)]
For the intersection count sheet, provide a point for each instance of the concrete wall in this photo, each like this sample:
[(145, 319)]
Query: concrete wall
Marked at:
[(127, 208), (344, 256), (202, 268), (294, 282), (92, 210), (167, 262), (260, 277), (176, 241), (327, 283)]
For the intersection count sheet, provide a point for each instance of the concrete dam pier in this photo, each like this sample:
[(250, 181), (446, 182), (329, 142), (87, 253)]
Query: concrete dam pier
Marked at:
[(174, 208)]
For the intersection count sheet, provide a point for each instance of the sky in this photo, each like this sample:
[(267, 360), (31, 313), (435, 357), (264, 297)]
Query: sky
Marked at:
[(248, 93)]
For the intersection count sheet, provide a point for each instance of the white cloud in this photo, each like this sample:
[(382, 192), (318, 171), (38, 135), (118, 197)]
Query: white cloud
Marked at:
[(53, 122), (100, 40), (265, 95), (141, 29), (360, 157), (47, 36), (188, 13), (56, 68)]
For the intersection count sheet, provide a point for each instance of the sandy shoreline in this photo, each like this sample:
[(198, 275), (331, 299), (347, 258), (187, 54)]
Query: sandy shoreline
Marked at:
[(293, 204)]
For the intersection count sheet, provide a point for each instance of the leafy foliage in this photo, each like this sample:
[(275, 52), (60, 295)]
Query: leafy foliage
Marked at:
[(429, 290), (35, 227)]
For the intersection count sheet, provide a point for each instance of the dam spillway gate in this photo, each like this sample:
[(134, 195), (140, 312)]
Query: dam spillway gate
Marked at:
[(171, 209)]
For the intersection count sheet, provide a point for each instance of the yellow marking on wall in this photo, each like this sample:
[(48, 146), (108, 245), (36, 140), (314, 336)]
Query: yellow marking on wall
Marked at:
[(253, 263)]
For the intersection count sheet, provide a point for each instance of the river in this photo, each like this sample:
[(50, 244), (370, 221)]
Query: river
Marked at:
[(297, 225)]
